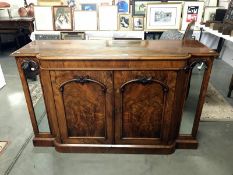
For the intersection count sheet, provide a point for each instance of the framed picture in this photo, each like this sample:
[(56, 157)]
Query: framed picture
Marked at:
[(71, 3), (163, 16), (192, 10), (108, 17), (104, 2), (49, 2), (122, 5), (139, 7), (209, 13), (88, 7), (85, 20), (62, 17), (138, 23), (43, 18), (73, 36), (212, 3), (125, 22)]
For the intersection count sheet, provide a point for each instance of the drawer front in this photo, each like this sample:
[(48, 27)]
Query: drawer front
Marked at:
[(143, 106), (83, 102)]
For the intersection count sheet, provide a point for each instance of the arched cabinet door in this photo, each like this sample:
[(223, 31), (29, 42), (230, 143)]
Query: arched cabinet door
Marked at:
[(84, 106), (142, 106)]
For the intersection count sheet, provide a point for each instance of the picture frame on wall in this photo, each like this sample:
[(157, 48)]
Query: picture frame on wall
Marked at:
[(163, 16), (99, 2), (73, 35), (49, 2), (192, 10), (138, 23), (108, 17), (139, 7), (43, 18), (123, 6), (212, 3), (210, 12), (88, 7), (125, 22), (85, 20), (62, 18), (71, 3)]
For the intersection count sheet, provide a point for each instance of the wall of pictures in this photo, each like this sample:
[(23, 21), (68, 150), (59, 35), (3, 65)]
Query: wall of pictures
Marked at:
[(122, 15)]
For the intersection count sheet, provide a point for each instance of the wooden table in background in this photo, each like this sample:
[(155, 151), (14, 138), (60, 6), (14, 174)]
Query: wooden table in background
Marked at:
[(18, 28)]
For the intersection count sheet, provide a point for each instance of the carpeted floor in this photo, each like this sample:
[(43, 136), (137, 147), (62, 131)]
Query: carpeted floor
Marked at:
[(216, 108), (35, 90)]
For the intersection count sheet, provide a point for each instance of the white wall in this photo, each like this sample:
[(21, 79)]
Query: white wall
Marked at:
[(224, 3)]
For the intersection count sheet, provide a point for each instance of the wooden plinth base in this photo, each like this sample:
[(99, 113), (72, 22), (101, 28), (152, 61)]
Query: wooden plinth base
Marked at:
[(108, 148)]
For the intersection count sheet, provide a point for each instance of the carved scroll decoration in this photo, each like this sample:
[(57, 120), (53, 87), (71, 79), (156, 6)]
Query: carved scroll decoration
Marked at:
[(83, 80)]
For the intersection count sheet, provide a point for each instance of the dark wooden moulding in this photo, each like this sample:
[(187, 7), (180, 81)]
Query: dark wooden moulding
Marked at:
[(115, 96)]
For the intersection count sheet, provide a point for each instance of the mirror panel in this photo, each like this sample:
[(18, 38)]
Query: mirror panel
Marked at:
[(192, 99), (31, 72)]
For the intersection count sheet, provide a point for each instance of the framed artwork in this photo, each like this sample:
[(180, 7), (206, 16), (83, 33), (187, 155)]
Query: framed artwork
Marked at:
[(125, 22), (123, 6), (139, 7), (88, 7), (192, 10), (49, 2), (209, 13), (212, 3), (62, 18), (104, 2), (163, 16), (108, 16), (71, 3), (43, 18), (138, 23), (73, 36), (85, 20)]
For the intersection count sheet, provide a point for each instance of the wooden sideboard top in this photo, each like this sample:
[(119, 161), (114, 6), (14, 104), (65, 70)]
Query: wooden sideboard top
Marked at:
[(114, 49)]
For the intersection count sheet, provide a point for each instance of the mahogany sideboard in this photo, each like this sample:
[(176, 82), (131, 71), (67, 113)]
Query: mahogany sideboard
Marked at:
[(115, 96)]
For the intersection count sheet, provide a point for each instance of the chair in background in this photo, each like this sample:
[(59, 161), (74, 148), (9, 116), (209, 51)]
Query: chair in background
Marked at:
[(176, 35), (188, 34), (171, 35)]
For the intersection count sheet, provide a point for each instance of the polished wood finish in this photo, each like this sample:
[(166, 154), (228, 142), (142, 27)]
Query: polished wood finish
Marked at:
[(116, 96), (84, 100)]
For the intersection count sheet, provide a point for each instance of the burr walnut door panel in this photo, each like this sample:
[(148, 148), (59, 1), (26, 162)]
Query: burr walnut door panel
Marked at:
[(84, 105), (143, 106)]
